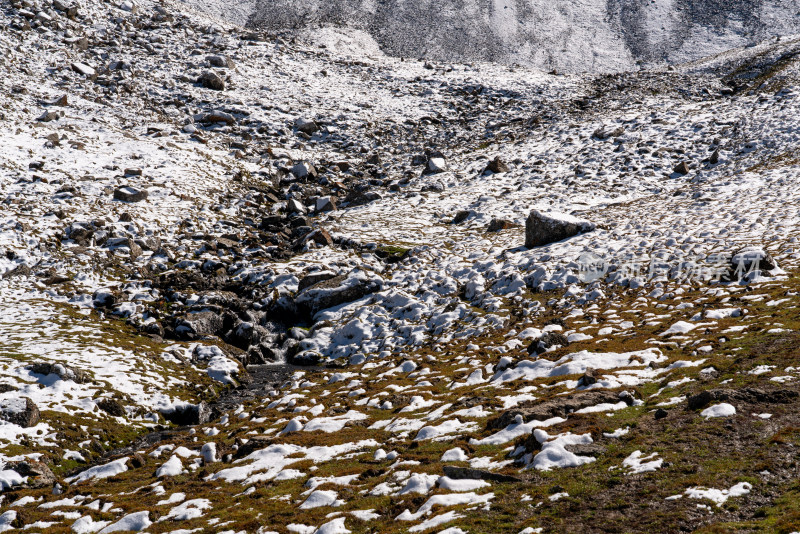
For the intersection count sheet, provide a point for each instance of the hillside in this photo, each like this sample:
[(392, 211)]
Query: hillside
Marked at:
[(260, 282), (566, 35)]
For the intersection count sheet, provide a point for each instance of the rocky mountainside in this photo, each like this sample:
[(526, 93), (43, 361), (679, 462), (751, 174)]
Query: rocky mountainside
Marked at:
[(566, 35), (266, 282)]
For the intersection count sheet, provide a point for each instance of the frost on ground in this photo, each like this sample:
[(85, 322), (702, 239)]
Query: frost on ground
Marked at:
[(260, 283)]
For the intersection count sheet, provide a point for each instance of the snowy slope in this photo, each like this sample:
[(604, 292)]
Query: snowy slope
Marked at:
[(567, 35)]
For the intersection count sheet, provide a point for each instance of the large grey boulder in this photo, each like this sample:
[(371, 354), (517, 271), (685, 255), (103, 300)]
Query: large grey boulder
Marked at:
[(543, 228)]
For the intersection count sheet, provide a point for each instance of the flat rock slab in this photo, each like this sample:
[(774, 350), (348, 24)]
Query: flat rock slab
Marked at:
[(130, 194)]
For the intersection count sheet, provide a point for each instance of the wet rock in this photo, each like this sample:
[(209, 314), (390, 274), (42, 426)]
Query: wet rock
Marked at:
[(211, 80), (130, 194), (496, 166), (64, 372), (544, 228), (39, 475), (188, 414), (20, 411), (111, 407)]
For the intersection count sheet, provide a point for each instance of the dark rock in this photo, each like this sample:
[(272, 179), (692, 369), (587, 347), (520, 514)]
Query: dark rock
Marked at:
[(306, 126), (496, 166), (468, 473), (542, 228), (547, 340), (557, 407), (499, 224), (220, 61), (304, 170), (314, 278), (681, 168), (64, 372), (661, 413), (111, 407), (714, 159), (130, 194), (20, 411), (588, 378), (211, 80), (217, 116), (188, 414), (337, 290), (201, 323), (461, 216), (138, 460)]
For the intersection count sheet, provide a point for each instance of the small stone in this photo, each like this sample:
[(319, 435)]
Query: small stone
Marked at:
[(49, 116), (130, 194), (661, 413), (84, 69), (435, 165), (589, 377), (714, 159), (111, 407), (681, 168), (304, 170), (496, 166), (306, 126), (137, 460), (133, 172), (499, 224), (220, 61), (211, 80), (218, 116), (326, 204), (295, 206)]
